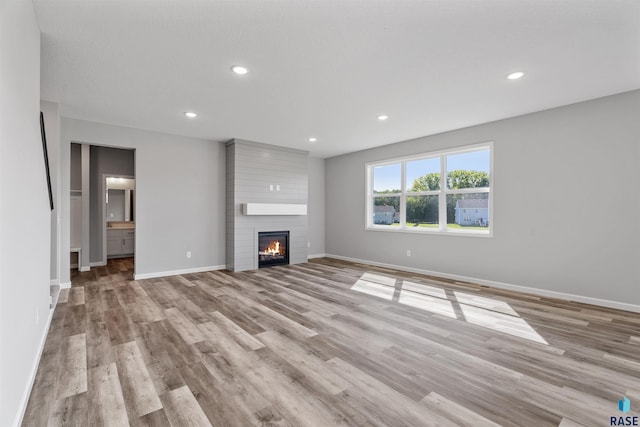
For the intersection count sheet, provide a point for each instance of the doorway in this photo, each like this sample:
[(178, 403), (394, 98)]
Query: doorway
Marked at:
[(119, 216), (103, 212)]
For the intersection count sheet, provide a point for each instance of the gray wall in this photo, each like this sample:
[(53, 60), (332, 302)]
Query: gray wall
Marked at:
[(255, 167), (565, 185), (25, 217), (110, 161), (76, 167), (316, 208), (179, 195)]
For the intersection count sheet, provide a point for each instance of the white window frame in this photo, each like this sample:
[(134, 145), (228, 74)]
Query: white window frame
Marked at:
[(442, 228)]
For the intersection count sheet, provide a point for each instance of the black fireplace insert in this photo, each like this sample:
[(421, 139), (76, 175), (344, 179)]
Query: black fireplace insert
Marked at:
[(273, 248)]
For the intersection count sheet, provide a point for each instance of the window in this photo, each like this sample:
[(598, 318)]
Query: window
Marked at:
[(441, 192)]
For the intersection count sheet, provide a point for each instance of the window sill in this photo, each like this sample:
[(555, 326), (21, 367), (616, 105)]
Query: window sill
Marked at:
[(434, 232)]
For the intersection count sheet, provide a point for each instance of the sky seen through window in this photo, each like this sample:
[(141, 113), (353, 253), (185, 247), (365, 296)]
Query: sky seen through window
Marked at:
[(388, 177)]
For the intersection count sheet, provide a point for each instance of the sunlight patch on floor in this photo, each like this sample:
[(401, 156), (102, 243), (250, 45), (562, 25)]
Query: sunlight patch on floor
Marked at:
[(508, 324), (486, 303), (376, 285), (480, 311), (423, 289), (428, 303)]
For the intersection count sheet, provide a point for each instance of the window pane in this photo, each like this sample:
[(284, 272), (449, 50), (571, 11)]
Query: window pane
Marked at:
[(386, 210), (468, 170), (386, 179), (423, 175), (422, 211), (468, 211)]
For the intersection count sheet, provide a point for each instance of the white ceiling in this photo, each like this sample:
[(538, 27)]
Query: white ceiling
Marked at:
[(328, 68)]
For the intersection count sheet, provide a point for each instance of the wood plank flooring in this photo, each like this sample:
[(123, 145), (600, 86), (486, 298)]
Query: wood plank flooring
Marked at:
[(327, 343)]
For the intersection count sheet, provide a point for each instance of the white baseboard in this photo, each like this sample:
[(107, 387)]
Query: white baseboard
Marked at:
[(176, 272), (84, 268), (97, 264), (65, 285), (500, 285), (316, 256), (54, 282), (34, 370)]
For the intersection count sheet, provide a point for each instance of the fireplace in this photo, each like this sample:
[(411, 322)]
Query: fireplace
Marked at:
[(273, 248)]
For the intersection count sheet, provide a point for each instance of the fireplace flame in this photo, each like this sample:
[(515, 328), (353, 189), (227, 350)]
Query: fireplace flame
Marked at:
[(273, 248)]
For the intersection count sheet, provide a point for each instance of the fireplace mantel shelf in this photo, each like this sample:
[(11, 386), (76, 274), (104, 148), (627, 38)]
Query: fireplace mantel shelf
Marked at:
[(274, 209)]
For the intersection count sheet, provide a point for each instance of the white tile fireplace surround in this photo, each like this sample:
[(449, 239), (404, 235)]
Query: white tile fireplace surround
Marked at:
[(267, 191)]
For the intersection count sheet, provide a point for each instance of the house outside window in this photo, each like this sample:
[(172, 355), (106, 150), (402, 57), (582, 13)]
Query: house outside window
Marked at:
[(445, 192), (383, 214)]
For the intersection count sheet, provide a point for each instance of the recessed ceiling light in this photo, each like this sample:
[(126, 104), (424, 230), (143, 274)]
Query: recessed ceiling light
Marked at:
[(239, 69), (191, 114), (312, 139), (516, 75), (382, 117)]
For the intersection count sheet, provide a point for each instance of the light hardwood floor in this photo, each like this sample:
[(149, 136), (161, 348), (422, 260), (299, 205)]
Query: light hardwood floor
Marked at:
[(327, 343)]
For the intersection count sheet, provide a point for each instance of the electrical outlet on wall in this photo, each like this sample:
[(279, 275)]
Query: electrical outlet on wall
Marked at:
[(188, 254), (408, 252)]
